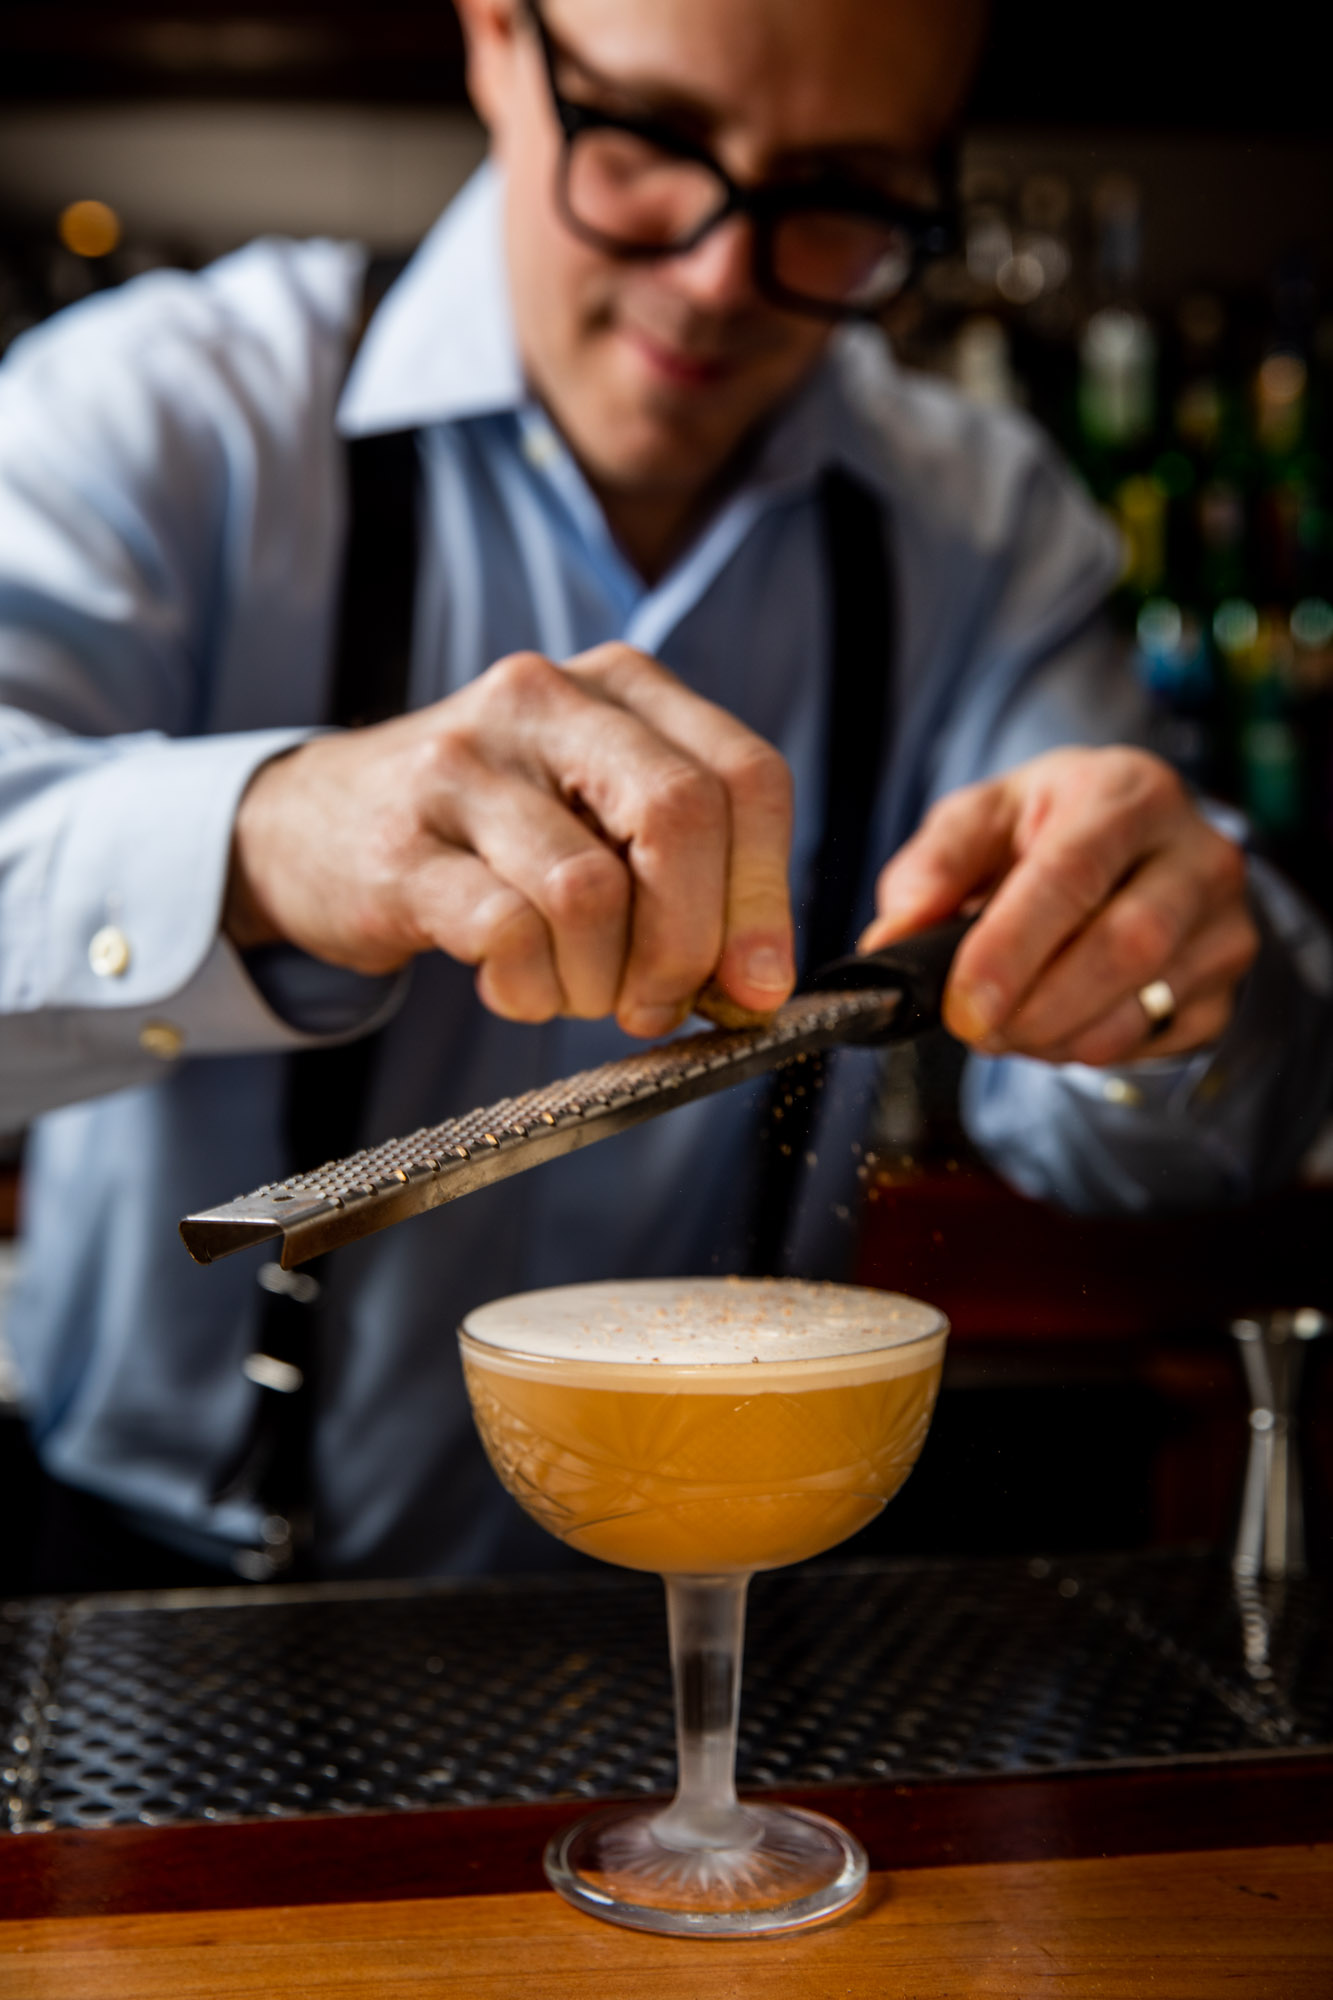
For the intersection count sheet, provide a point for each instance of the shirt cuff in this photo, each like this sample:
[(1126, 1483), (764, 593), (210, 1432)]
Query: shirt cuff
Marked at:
[(139, 875), (137, 901), (224, 1010), (62, 1055)]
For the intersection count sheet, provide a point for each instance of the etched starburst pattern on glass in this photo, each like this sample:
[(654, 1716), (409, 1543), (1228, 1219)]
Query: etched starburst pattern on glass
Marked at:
[(663, 1481)]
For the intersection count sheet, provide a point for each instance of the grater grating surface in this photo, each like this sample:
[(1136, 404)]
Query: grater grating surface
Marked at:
[(344, 1199)]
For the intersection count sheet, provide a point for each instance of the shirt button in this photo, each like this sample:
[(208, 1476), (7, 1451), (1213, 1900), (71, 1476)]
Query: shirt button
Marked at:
[(162, 1039), (109, 952), (1119, 1090), (541, 447)]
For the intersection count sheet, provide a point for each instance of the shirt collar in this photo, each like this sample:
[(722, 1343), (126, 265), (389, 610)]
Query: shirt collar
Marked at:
[(442, 346), (442, 343)]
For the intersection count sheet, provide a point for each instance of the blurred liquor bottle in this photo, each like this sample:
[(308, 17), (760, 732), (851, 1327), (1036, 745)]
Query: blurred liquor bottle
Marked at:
[(1311, 627), (1012, 295), (1271, 627), (1255, 653), (1206, 434), (1291, 519), (1117, 405), (1194, 499), (1206, 464), (1116, 398), (1175, 662)]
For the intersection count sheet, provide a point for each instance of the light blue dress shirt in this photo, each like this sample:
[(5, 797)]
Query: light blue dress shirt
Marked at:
[(171, 520)]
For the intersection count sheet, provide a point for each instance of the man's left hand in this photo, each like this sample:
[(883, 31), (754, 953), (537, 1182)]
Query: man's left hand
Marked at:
[(1100, 877)]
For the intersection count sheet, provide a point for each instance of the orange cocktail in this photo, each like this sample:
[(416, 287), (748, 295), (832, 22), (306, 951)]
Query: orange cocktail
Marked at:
[(705, 1428), (689, 1466)]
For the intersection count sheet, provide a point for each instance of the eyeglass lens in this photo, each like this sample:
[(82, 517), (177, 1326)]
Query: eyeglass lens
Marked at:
[(840, 258), (635, 194)]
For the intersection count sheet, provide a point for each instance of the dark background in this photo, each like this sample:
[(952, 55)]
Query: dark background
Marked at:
[(1134, 65)]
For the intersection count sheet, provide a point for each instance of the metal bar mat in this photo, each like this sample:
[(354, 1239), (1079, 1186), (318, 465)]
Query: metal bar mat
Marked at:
[(241, 1705)]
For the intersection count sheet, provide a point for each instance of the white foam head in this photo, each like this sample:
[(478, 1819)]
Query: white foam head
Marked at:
[(703, 1322)]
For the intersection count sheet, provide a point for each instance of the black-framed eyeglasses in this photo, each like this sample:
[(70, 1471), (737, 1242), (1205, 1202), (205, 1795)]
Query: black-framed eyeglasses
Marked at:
[(636, 188)]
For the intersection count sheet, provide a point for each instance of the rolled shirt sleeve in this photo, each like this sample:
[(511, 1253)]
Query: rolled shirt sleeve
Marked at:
[(111, 958)]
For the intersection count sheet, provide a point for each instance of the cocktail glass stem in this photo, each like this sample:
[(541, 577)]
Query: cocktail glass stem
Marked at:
[(706, 1618)]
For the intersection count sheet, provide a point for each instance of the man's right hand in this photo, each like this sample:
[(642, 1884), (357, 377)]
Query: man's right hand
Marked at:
[(595, 838)]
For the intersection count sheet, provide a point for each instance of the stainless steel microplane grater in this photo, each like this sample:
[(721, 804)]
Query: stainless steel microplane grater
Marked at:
[(881, 997)]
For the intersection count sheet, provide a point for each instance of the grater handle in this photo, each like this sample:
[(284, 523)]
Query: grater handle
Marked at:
[(918, 966)]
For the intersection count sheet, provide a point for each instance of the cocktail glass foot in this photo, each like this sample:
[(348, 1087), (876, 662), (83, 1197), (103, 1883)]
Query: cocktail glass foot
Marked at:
[(790, 1870)]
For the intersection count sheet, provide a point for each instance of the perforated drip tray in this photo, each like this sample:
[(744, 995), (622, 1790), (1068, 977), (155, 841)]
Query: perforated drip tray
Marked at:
[(239, 1705)]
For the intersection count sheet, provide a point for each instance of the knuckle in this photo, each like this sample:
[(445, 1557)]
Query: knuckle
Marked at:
[(1142, 937), (519, 677), (1141, 776), (684, 802), (1227, 866), (585, 890), (509, 928), (610, 666), (443, 759), (759, 775), (942, 842), (953, 810), (1074, 876)]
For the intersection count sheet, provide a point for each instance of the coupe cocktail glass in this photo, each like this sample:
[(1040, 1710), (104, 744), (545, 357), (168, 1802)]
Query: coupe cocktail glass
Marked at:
[(704, 1428)]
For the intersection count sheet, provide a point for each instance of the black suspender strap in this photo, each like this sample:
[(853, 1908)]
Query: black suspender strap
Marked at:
[(327, 1089), (374, 655), (861, 651)]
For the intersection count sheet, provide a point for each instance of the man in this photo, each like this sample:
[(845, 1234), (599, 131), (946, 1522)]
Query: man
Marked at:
[(617, 352)]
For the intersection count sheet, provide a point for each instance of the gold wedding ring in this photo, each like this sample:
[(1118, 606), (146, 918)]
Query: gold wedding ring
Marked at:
[(1159, 1004)]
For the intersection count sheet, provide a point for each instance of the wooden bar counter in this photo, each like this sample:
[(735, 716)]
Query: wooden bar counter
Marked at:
[(1212, 1882)]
